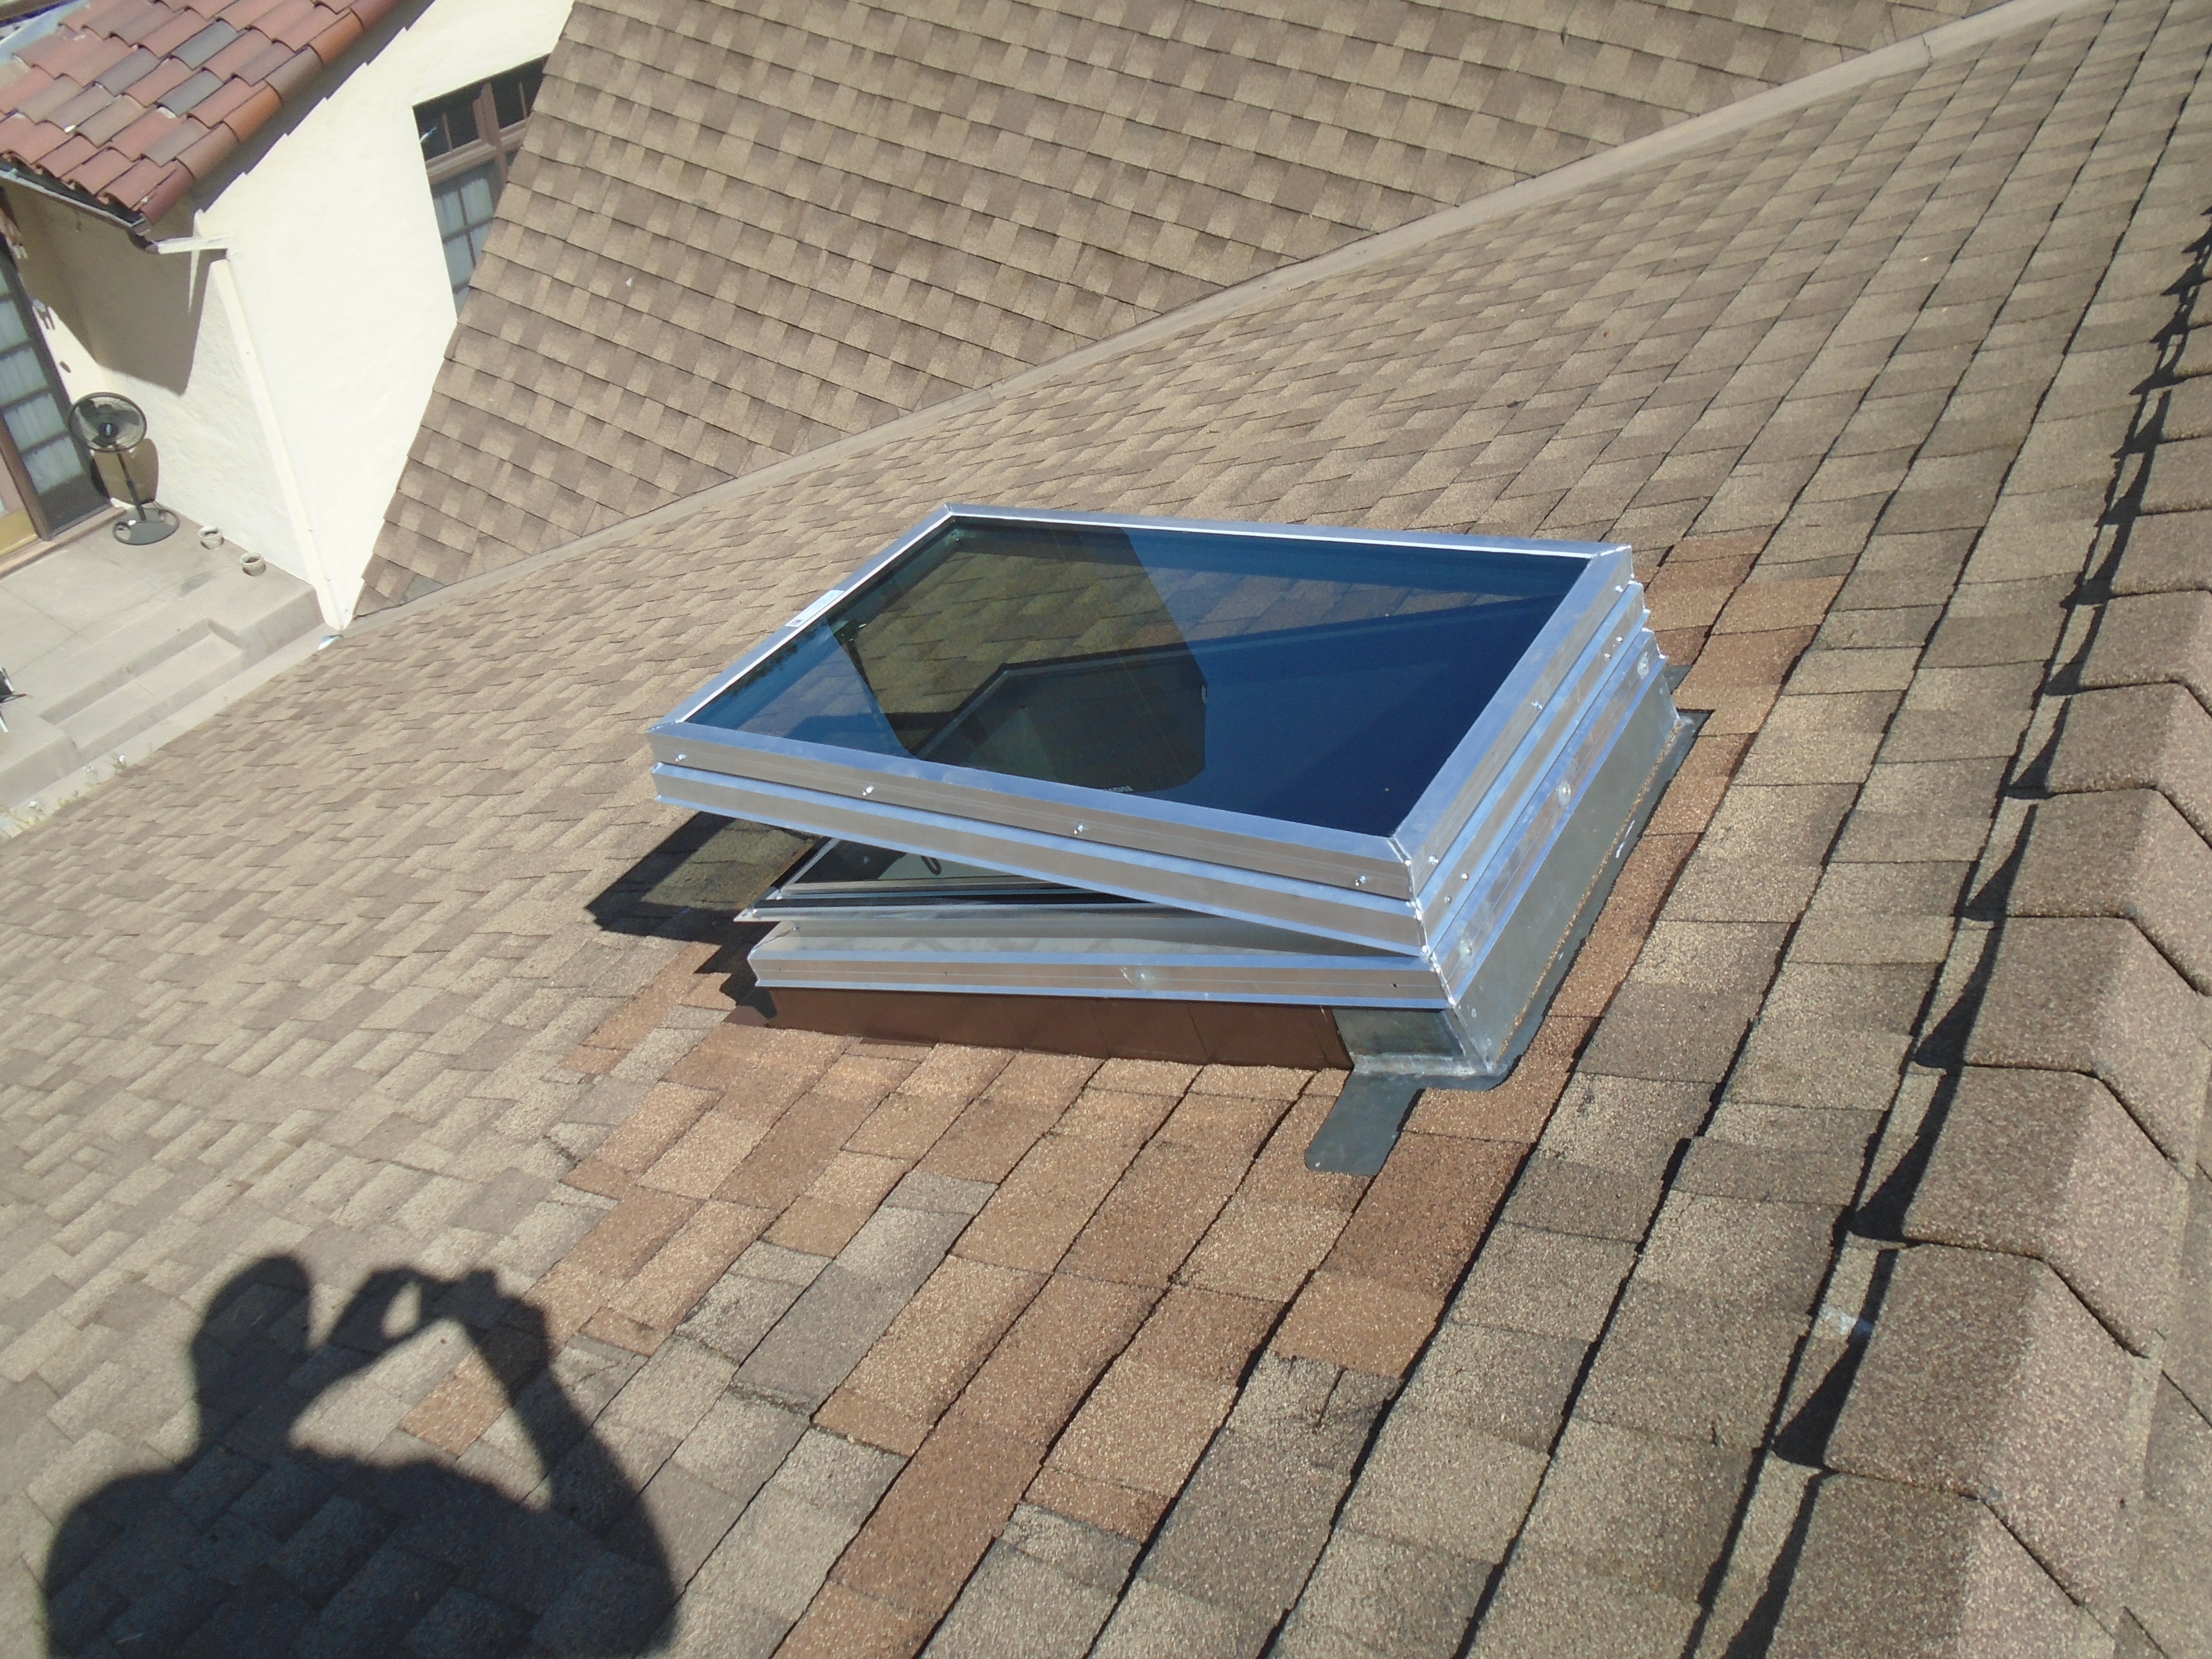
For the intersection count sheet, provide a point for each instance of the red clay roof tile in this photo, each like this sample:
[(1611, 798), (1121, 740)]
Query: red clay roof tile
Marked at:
[(134, 24), (79, 57), (210, 38), (29, 140), (182, 136), (246, 120), (138, 182), (244, 14), (82, 108), (175, 30), (209, 153), (106, 17), (165, 78), (69, 154), (232, 64), (233, 58), (295, 23), (155, 126), (96, 171), (269, 57), (290, 80), (342, 34), (102, 126), (194, 90), (222, 100), (43, 102), (126, 74)]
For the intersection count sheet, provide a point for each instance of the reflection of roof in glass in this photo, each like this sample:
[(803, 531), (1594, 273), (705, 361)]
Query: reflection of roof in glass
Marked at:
[(1315, 682)]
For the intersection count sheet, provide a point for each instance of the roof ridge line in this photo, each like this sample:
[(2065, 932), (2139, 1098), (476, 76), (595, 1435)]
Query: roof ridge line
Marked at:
[(1914, 51)]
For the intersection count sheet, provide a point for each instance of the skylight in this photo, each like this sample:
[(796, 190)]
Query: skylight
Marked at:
[(1071, 754)]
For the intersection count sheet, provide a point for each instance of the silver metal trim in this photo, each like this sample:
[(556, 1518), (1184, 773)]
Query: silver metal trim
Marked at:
[(1300, 852), (1466, 909), (1164, 956), (1186, 884), (1533, 689), (1374, 865), (1582, 685), (1500, 945), (1500, 991)]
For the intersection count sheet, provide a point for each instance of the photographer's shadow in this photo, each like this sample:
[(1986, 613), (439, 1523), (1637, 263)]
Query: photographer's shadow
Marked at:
[(257, 1545)]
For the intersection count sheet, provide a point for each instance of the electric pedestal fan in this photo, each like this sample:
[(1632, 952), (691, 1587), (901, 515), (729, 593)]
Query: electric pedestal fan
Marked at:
[(109, 424)]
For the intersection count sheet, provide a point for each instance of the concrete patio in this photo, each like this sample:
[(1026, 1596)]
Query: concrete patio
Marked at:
[(114, 648)]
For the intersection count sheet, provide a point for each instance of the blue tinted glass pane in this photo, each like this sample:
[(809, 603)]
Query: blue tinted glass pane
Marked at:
[(1317, 683)]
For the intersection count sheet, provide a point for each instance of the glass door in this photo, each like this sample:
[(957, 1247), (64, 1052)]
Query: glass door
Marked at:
[(47, 463)]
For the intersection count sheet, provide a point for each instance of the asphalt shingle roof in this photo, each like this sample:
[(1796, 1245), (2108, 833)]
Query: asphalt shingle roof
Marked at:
[(737, 232), (1831, 1279)]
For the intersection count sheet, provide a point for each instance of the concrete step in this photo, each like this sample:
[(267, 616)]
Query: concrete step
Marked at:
[(98, 666), (156, 691)]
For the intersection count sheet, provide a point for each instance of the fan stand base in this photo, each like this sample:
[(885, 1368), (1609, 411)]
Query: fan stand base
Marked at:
[(150, 523)]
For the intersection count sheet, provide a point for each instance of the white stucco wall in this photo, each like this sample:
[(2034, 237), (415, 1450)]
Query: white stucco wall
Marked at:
[(337, 272), (119, 319)]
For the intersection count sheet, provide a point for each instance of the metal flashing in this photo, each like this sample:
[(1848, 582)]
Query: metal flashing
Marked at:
[(1509, 691)]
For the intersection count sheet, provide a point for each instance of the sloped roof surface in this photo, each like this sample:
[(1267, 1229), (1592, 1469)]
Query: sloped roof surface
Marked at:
[(1832, 1278), (738, 232), (132, 102)]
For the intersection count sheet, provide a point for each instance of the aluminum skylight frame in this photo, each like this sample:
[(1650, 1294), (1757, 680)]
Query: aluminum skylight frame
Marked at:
[(1365, 889), (1466, 914), (1486, 970)]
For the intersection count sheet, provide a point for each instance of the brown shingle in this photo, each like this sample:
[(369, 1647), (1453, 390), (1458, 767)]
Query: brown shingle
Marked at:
[(2156, 737), (956, 238), (1887, 1568), (2128, 854), (1985, 1377), (2094, 997), (2046, 1164)]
